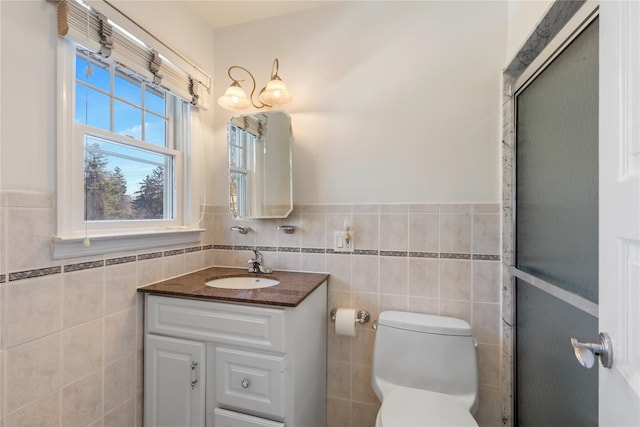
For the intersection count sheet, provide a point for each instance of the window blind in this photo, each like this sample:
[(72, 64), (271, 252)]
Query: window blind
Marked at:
[(103, 29), (254, 124)]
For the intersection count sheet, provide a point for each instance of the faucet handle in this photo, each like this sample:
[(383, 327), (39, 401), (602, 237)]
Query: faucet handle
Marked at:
[(241, 229)]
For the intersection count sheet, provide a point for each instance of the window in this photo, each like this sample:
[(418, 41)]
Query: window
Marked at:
[(125, 102), (240, 159), (122, 160), (129, 156)]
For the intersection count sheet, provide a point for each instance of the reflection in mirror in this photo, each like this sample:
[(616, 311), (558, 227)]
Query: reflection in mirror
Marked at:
[(260, 176)]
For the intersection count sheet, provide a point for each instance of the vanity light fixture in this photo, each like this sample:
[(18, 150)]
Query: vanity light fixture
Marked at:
[(274, 94)]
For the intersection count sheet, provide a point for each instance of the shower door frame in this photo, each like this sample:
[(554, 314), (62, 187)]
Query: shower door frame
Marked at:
[(563, 22)]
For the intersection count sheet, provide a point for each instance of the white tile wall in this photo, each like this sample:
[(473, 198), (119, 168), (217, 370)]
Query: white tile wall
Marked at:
[(431, 258), (71, 332)]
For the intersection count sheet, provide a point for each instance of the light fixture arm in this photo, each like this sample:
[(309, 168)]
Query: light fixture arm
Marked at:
[(274, 70), (237, 82), (273, 94)]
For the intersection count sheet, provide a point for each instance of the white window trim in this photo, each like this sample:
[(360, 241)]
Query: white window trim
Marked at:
[(64, 248), (71, 239)]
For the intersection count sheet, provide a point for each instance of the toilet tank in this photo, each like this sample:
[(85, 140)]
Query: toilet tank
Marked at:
[(428, 352)]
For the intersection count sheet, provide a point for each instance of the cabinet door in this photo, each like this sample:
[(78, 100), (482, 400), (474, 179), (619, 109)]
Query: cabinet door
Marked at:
[(174, 382)]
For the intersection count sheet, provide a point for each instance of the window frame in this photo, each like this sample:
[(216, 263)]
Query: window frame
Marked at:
[(77, 237)]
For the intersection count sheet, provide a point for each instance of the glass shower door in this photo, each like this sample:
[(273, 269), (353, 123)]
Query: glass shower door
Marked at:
[(556, 229)]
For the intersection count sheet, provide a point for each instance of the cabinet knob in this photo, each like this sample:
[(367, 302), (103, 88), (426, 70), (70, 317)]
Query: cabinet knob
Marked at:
[(245, 383)]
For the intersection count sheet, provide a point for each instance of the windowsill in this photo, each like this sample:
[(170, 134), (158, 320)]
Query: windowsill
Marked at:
[(63, 247)]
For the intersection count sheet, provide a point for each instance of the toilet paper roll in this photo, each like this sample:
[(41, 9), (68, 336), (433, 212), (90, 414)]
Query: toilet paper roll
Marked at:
[(346, 322)]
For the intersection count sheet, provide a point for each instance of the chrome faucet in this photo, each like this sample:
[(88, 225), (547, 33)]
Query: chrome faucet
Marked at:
[(256, 263)]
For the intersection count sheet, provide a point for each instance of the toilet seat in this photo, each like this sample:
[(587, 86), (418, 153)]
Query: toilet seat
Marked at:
[(410, 407)]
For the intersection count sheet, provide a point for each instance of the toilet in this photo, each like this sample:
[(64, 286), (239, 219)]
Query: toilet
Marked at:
[(424, 371)]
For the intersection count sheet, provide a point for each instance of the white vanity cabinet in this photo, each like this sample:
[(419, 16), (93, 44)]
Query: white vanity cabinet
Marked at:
[(210, 363)]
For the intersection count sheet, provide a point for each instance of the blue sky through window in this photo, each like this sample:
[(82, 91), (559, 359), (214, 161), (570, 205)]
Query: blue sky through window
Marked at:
[(129, 108)]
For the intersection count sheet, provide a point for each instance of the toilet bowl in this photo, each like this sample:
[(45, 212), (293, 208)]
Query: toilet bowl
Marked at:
[(424, 371), (406, 407)]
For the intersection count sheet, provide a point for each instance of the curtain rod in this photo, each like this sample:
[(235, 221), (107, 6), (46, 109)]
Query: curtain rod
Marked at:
[(154, 37)]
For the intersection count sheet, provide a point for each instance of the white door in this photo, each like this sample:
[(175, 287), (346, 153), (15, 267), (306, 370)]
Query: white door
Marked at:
[(619, 234), (174, 384)]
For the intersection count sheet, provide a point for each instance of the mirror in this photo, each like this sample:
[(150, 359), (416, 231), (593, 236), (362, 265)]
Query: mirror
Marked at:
[(260, 173)]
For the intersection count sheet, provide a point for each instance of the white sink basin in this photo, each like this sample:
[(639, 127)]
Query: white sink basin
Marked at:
[(243, 282)]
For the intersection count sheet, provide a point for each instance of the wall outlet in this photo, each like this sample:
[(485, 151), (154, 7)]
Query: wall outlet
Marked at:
[(343, 241)]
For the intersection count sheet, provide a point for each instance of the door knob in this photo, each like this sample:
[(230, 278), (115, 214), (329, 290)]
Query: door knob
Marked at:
[(586, 352)]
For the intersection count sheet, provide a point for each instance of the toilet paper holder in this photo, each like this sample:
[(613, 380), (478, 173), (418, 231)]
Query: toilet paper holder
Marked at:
[(362, 316)]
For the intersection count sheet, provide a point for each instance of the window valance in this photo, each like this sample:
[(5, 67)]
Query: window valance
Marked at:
[(102, 28)]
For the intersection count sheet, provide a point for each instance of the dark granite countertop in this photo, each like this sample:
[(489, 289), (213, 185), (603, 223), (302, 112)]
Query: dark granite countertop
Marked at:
[(294, 287)]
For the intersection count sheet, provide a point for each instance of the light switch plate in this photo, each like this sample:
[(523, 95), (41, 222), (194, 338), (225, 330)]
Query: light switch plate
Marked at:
[(343, 241)]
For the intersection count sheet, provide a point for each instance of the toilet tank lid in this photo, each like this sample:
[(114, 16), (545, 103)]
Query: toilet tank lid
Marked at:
[(428, 323)]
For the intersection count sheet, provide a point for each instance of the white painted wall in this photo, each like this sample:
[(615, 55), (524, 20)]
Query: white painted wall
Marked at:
[(27, 125), (524, 15), (393, 101)]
